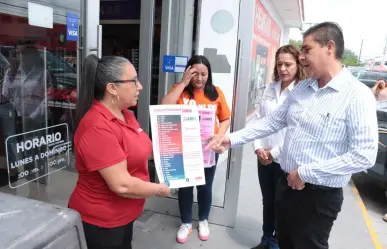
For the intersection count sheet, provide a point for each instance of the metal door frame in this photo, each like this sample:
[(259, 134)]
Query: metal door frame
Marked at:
[(91, 38)]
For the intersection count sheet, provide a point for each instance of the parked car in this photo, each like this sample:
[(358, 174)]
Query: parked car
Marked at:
[(379, 171), (368, 77)]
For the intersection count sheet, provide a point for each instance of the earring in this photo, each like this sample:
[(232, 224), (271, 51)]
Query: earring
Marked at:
[(118, 99)]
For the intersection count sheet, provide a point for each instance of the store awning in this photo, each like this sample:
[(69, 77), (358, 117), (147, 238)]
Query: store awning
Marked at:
[(291, 12)]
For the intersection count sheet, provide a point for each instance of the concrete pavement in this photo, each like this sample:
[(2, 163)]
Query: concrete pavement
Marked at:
[(158, 231)]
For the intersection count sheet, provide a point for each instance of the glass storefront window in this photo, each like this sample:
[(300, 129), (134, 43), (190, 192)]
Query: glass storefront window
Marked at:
[(38, 83)]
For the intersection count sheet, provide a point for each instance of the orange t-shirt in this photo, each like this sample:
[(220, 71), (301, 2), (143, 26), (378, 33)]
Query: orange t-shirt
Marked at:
[(220, 104)]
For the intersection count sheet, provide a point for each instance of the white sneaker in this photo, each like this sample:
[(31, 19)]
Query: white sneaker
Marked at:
[(204, 231), (183, 233)]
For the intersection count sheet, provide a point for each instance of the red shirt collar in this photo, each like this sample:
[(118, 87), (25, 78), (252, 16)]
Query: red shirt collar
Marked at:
[(101, 108)]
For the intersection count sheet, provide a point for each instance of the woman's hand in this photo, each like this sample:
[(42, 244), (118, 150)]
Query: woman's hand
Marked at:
[(379, 86), (264, 156), (188, 75)]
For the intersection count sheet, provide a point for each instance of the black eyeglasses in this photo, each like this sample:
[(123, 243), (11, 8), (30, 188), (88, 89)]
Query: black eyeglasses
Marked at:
[(135, 81)]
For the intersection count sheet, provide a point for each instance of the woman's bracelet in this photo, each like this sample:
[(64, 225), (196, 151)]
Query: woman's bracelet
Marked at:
[(157, 193)]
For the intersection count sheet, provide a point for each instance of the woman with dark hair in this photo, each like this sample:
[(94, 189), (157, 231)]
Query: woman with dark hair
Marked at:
[(111, 154), (380, 90), (288, 71), (196, 88)]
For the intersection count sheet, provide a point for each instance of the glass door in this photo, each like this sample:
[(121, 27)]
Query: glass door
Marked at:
[(187, 33), (41, 50)]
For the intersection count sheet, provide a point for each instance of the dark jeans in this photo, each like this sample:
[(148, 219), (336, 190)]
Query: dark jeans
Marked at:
[(108, 238), (204, 197), (268, 177), (305, 217)]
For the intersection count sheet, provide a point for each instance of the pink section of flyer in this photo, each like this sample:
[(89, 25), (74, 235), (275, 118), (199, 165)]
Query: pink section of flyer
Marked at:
[(207, 128)]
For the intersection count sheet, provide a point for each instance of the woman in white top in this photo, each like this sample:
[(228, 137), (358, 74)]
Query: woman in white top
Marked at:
[(288, 71)]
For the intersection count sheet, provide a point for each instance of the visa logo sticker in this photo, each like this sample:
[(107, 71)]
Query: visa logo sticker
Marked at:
[(72, 27), (73, 33), (168, 68)]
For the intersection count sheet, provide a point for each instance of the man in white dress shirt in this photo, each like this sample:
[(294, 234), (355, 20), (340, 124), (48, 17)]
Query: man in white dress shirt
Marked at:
[(332, 132)]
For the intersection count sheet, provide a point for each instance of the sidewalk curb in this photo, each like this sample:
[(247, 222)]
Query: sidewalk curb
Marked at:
[(366, 217)]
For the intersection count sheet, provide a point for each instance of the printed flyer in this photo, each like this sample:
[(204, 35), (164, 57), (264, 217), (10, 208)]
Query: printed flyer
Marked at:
[(207, 128), (177, 146)]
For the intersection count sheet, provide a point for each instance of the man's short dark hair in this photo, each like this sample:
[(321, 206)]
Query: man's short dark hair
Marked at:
[(325, 32)]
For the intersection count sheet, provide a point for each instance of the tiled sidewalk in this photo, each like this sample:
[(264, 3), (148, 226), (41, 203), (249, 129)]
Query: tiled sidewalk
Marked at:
[(158, 231)]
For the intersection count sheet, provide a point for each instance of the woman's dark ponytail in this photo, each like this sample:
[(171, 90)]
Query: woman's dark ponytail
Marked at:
[(96, 74), (85, 95)]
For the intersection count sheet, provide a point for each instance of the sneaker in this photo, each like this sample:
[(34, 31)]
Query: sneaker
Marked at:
[(204, 231), (183, 233), (273, 243), (265, 241)]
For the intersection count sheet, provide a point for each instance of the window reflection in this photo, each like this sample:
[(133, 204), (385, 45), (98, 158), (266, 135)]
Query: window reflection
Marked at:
[(38, 83)]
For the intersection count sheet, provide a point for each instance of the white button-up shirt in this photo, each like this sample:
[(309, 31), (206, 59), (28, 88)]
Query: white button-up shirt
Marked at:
[(26, 91), (272, 99), (332, 132)]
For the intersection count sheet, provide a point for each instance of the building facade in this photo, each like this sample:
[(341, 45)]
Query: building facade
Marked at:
[(43, 44)]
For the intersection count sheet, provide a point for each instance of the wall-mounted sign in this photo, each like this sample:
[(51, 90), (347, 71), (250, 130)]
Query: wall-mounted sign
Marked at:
[(72, 27), (37, 153), (40, 15), (174, 64), (266, 41)]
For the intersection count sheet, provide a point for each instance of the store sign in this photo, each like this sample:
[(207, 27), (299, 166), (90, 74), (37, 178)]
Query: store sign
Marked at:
[(72, 27), (37, 153), (174, 64), (266, 41)]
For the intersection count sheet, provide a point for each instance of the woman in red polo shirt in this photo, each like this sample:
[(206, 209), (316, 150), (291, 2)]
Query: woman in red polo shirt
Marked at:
[(111, 154), (196, 88)]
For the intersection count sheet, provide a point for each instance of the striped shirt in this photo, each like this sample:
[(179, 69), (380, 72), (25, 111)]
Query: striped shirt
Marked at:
[(332, 132)]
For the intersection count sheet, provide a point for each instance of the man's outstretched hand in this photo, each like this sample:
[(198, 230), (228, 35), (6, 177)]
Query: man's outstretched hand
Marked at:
[(217, 143)]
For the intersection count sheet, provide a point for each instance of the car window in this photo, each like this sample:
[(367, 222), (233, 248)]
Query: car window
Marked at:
[(383, 76), (369, 75), (57, 64)]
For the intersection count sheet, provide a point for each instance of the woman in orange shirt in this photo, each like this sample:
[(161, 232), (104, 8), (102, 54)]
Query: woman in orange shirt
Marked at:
[(196, 88)]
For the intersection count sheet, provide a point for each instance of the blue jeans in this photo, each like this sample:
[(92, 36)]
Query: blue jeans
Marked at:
[(204, 197)]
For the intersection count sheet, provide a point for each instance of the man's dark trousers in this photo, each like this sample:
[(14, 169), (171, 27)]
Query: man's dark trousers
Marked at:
[(304, 218)]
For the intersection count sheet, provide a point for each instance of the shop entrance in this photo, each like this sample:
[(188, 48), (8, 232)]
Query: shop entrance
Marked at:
[(121, 35), (142, 31)]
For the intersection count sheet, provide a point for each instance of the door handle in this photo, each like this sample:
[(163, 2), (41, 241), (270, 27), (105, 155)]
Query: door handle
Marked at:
[(98, 49), (235, 91), (236, 81)]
